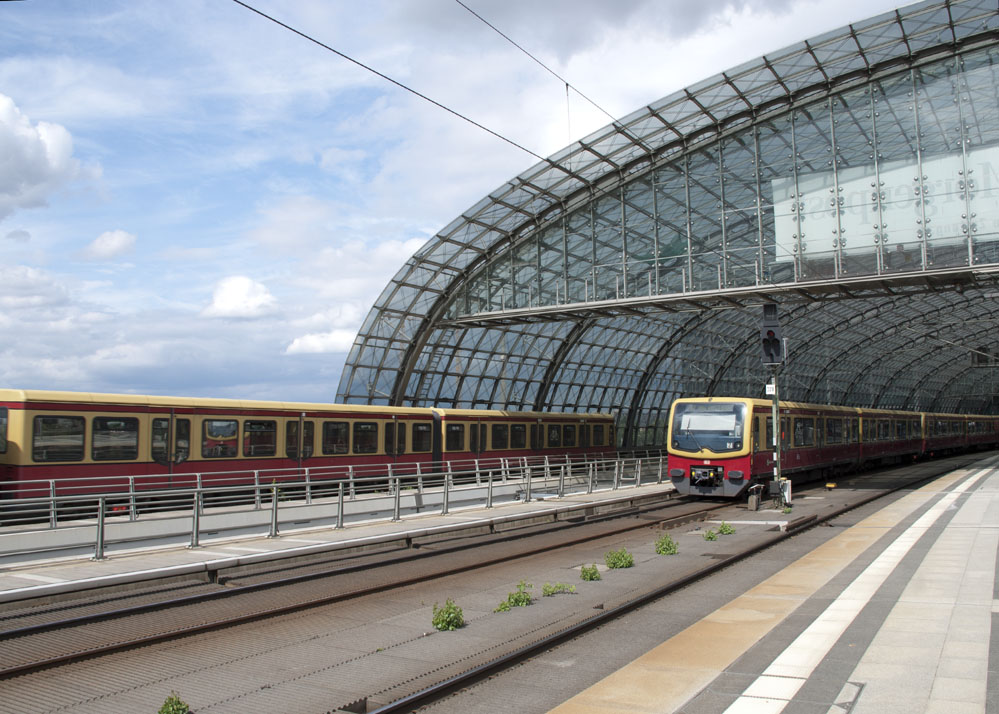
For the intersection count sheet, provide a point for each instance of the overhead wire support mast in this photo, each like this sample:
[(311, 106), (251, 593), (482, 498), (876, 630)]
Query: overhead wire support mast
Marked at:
[(388, 79)]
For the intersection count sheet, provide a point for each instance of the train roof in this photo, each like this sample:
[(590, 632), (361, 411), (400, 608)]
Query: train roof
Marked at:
[(862, 411), (97, 398)]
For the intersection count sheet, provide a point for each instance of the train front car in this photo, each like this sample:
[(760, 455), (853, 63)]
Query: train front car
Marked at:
[(709, 445)]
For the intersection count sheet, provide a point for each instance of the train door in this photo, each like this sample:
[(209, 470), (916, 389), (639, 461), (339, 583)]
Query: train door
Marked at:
[(171, 440)]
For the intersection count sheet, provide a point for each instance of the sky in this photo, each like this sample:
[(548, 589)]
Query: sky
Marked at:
[(196, 201)]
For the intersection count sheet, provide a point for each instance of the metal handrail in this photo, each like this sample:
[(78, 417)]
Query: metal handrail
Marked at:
[(530, 478)]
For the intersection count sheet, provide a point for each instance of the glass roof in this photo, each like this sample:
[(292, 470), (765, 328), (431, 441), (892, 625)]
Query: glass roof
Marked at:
[(851, 178)]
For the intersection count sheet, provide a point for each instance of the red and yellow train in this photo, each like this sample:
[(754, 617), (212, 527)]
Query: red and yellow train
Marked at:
[(94, 442), (720, 446)]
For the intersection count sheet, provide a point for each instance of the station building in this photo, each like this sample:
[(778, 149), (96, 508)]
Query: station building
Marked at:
[(852, 179)]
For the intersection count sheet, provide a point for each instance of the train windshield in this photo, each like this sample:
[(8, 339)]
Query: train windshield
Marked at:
[(715, 426)]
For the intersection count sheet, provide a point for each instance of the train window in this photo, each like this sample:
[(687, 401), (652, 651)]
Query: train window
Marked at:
[(501, 436), (914, 429), (884, 430), (834, 431), (115, 439), (598, 435), (518, 436), (336, 437), (395, 438), (308, 439), (584, 435), (218, 438), (554, 436), (454, 437), (535, 443), (855, 430), (181, 440), (3, 430), (365, 437), (804, 432), (569, 435), (900, 430), (422, 437), (58, 438), (259, 437)]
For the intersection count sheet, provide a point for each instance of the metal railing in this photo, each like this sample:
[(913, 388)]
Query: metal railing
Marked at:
[(267, 498)]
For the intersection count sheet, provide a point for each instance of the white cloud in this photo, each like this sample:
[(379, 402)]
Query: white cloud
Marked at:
[(241, 297), (316, 343), (37, 159), (110, 244), (23, 287)]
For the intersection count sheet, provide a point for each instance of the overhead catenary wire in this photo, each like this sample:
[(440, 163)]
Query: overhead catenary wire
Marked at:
[(567, 83), (388, 79), (614, 122)]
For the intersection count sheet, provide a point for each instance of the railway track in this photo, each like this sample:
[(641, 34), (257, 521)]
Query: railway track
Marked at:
[(38, 636)]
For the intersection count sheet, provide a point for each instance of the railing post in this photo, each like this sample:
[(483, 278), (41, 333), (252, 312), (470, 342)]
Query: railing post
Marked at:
[(659, 477), (131, 498), (274, 513), (617, 473), (591, 471), (99, 548), (444, 507), (489, 491), (256, 490), (53, 506), (350, 476), (339, 508), (308, 488), (398, 495), (561, 480), (200, 503), (638, 473), (419, 479), (478, 479), (196, 521), (548, 470), (527, 493)]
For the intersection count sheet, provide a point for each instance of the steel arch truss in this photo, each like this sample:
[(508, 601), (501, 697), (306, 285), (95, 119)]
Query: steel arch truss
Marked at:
[(852, 178)]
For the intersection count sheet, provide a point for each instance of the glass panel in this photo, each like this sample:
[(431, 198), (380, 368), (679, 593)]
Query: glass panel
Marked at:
[(818, 205), (598, 435), (422, 441), (259, 437), (219, 438), (365, 437), (291, 439), (715, 426), (500, 436), (3, 430), (554, 436), (335, 437), (804, 432), (58, 438), (454, 437), (941, 133), (518, 436), (115, 439), (569, 435), (671, 214)]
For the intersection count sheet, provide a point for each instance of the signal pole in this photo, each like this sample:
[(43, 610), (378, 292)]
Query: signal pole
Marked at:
[(773, 355)]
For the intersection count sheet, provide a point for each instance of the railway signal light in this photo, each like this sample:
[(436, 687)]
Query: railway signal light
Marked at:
[(770, 337)]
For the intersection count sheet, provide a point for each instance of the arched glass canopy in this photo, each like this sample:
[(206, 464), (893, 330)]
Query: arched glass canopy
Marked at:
[(853, 179)]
